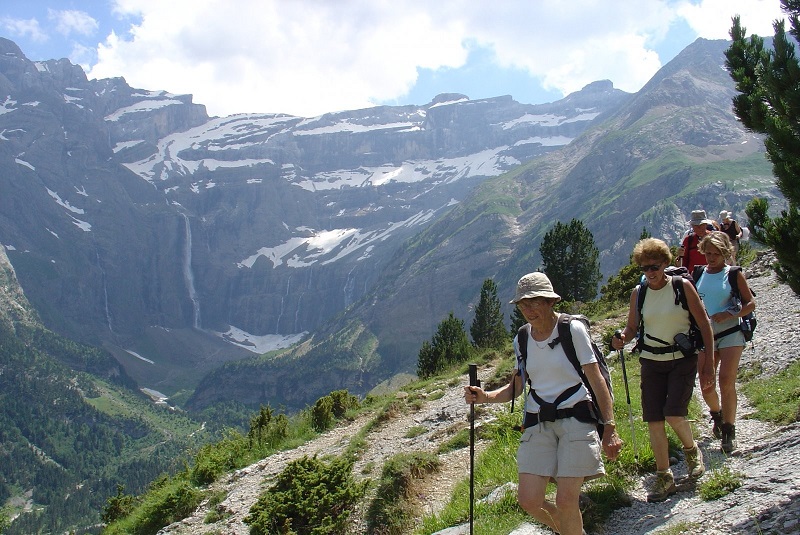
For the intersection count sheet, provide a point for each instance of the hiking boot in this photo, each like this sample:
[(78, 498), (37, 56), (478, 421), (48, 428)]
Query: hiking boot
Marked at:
[(695, 467), (728, 438), (663, 487), (716, 419)]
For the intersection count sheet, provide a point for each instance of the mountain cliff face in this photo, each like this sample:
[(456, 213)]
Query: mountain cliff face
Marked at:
[(179, 242), (669, 149)]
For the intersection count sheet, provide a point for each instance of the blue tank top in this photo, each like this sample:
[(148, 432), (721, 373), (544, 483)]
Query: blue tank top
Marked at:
[(715, 291)]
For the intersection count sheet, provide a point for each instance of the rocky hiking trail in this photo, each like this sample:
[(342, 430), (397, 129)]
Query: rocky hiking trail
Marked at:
[(768, 502)]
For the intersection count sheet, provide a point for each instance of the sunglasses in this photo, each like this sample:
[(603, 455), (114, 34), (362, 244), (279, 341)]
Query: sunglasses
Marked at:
[(651, 267)]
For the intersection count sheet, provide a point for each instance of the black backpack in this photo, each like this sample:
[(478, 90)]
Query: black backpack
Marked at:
[(565, 339), (747, 323), (695, 337)]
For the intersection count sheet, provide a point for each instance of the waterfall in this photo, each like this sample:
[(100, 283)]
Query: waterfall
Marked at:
[(188, 276), (300, 301), (349, 287), (105, 286), (283, 300)]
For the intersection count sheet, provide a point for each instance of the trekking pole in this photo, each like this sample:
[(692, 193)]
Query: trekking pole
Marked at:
[(621, 352), (473, 381)]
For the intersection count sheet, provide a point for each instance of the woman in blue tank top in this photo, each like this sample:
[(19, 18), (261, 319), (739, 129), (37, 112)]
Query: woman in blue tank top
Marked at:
[(725, 311)]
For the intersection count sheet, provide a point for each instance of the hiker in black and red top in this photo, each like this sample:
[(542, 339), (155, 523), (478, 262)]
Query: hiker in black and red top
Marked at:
[(688, 253)]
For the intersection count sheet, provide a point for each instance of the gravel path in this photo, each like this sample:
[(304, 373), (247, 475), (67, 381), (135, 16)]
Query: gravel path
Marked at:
[(768, 502)]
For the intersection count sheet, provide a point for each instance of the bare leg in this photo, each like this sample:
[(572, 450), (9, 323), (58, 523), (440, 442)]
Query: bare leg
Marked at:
[(683, 429), (710, 395), (728, 370), (564, 516), (567, 503), (531, 495), (658, 441)]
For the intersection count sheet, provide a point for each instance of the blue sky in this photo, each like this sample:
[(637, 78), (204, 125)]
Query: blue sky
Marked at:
[(308, 57)]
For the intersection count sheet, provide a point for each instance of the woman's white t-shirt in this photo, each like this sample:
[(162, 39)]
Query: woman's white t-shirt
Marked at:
[(550, 370)]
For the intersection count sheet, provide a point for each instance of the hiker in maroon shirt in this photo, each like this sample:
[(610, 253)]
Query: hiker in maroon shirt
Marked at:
[(688, 253)]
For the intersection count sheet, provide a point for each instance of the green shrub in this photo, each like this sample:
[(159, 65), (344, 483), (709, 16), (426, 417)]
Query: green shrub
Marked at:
[(775, 397), (309, 497), (456, 442), (118, 506), (720, 483), (218, 458), (322, 414), (416, 431), (279, 429), (391, 511), (342, 401), (170, 501)]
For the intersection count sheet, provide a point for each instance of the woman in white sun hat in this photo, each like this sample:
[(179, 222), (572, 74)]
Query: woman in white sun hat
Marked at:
[(567, 447)]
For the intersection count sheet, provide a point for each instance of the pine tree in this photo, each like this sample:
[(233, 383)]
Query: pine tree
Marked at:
[(517, 321), (427, 363), (571, 261), (487, 329), (449, 346), (769, 103)]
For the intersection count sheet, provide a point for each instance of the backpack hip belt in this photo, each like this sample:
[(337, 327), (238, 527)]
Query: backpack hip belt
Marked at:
[(675, 348), (582, 411), (726, 332)]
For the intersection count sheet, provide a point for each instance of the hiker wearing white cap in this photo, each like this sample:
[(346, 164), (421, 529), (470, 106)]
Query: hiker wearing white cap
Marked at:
[(729, 226), (558, 440)]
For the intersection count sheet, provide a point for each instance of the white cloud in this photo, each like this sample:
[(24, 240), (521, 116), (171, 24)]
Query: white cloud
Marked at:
[(307, 57), (70, 22), (82, 55), (712, 18), (24, 28)]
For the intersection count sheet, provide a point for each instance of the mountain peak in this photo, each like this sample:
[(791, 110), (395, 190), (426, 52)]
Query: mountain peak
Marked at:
[(448, 97), (10, 48)]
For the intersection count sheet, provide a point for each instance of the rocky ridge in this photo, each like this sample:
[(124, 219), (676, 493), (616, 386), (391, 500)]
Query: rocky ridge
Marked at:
[(768, 456)]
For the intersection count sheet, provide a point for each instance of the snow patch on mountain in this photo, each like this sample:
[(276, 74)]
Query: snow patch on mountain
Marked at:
[(64, 204), (126, 144), (490, 162), (222, 134), (140, 107), (303, 251), (259, 344), (8, 105), (24, 163)]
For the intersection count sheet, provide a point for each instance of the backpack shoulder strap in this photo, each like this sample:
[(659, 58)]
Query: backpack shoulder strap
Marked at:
[(522, 344), (677, 288), (522, 359), (641, 290), (697, 272), (733, 280), (565, 337)]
